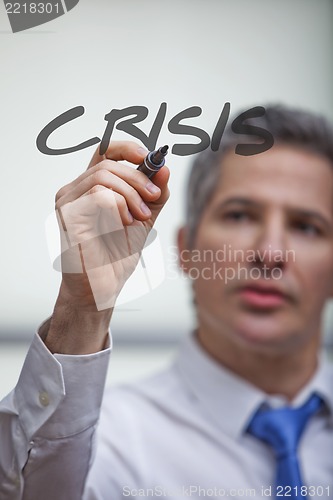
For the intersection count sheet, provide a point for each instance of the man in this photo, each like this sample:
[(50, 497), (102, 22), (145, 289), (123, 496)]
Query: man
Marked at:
[(193, 430), (187, 432)]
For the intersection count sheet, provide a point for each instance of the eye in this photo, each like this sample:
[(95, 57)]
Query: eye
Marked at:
[(307, 228), (237, 215)]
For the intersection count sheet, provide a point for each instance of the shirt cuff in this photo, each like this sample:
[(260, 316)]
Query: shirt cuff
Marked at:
[(60, 395)]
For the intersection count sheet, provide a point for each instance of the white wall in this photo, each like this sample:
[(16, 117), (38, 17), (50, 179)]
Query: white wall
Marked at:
[(126, 364), (114, 54)]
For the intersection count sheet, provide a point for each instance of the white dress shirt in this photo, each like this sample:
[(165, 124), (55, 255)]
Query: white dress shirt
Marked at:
[(181, 434), (47, 425)]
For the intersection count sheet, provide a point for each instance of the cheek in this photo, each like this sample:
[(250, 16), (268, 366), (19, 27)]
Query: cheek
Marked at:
[(316, 275), (323, 281), (228, 245), (211, 279), (209, 296)]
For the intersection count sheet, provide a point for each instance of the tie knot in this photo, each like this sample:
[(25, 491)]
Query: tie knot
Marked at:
[(282, 428)]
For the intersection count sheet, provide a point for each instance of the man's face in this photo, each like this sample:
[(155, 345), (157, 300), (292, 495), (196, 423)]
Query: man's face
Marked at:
[(265, 250)]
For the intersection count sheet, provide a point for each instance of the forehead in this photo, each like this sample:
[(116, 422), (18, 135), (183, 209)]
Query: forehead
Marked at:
[(282, 175)]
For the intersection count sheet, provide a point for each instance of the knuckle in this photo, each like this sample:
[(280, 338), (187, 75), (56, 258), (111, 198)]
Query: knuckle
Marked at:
[(97, 189), (100, 176), (59, 194), (133, 198), (121, 202), (132, 193), (138, 177), (104, 165)]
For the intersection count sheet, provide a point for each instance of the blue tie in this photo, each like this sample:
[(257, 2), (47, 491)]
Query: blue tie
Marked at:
[(282, 428)]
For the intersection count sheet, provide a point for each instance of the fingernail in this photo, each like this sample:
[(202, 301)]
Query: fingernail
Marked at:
[(144, 209), (143, 151), (152, 188)]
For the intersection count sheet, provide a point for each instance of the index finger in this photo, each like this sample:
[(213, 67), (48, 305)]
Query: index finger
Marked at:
[(121, 150)]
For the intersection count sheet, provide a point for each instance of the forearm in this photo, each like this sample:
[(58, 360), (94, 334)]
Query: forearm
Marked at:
[(76, 327)]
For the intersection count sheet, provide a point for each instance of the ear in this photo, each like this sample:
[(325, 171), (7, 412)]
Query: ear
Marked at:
[(184, 253)]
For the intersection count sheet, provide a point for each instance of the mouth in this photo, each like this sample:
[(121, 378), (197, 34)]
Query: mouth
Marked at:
[(263, 297)]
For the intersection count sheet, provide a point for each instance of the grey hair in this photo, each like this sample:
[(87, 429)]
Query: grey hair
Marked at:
[(287, 125)]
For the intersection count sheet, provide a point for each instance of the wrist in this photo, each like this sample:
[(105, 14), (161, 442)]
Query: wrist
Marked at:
[(76, 327)]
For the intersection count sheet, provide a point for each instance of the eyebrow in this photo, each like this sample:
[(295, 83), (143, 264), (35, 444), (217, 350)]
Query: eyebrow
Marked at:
[(299, 212), (237, 200)]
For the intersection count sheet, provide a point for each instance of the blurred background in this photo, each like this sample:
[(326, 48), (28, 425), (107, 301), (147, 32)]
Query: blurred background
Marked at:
[(110, 54)]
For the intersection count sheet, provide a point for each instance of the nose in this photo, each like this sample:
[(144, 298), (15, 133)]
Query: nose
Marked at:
[(271, 242)]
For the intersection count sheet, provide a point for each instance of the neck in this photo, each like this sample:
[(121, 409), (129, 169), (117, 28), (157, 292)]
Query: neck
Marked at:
[(283, 373)]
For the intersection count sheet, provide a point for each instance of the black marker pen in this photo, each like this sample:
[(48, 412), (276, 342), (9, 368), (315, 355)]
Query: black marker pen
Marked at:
[(153, 162)]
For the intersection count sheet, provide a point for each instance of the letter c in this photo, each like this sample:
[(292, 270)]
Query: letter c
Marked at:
[(60, 120)]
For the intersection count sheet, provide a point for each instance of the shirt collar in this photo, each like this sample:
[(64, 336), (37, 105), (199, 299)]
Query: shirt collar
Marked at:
[(232, 401), (322, 384)]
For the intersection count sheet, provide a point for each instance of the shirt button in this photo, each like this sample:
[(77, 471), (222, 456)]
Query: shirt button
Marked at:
[(44, 398)]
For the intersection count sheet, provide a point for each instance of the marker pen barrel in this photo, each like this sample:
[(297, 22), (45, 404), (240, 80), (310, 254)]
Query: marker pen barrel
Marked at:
[(153, 162)]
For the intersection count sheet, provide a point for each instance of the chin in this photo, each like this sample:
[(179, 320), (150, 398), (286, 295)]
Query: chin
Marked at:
[(264, 333)]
